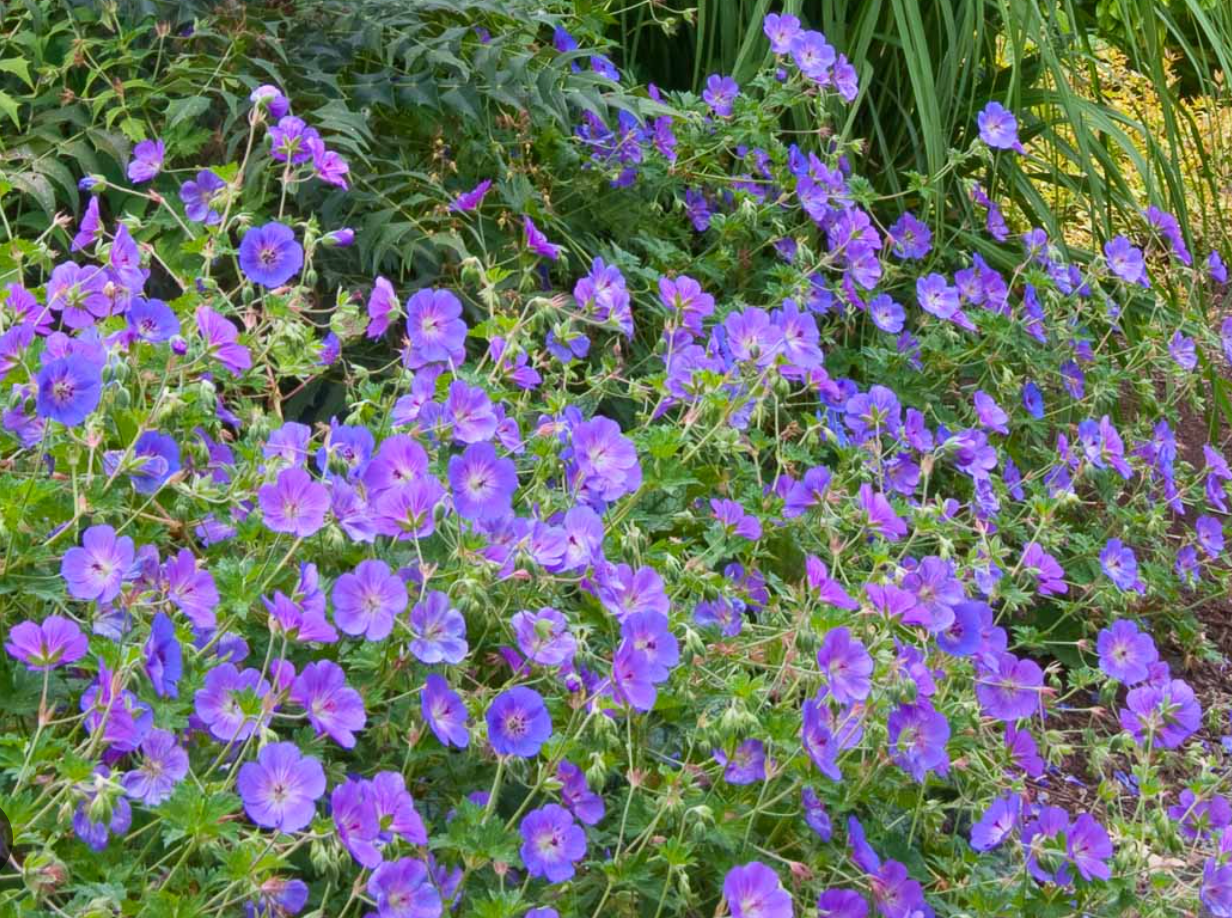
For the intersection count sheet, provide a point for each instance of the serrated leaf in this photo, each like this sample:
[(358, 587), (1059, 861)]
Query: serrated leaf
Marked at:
[(183, 109), (9, 106), (18, 67)]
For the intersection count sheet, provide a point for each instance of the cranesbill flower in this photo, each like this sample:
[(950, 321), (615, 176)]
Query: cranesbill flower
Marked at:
[(333, 707), (746, 765), (911, 237), (1216, 268), (56, 641), (648, 635), (96, 570), (90, 228), (1089, 848), (294, 503), (368, 599), (271, 99), (841, 903), (355, 819), (1126, 261), (537, 242), (720, 94), (886, 314), (544, 636), (1045, 568), (152, 321), (811, 52), (408, 511), (734, 520), (1120, 565), (1183, 351), (1009, 688), (395, 809), (879, 515), (815, 814), (584, 803), (1166, 714), (470, 200), (444, 712), (164, 763), (383, 307), (753, 890), (201, 197), (435, 329), (192, 590), (69, 389), (270, 255), (158, 458), (439, 630), (164, 658), (96, 834), (222, 341), (1209, 530), (147, 160), (482, 483), (918, 734), (997, 823), (605, 460), (470, 412), (518, 722), (231, 703), (846, 666), (1125, 653), (281, 787), (552, 843), (991, 415), (1024, 752), (403, 889), (780, 29), (999, 128), (1216, 891)]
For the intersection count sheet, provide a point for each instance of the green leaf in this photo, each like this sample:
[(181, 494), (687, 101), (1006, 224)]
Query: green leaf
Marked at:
[(18, 67), (184, 109), (8, 105)]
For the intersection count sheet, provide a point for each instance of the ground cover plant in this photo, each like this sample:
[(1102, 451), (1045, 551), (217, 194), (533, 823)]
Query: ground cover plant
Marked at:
[(792, 555)]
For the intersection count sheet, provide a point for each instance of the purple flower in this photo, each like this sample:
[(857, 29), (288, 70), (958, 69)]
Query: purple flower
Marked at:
[(841, 903), (147, 160), (552, 843), (997, 823), (439, 629), (1023, 751), (780, 29), (403, 889), (470, 412), (720, 93), (96, 570), (271, 99), (482, 483), (815, 814), (1183, 351), (96, 834), (383, 307), (991, 415), (846, 666), (747, 765), (368, 599), (911, 237), (753, 890), (937, 297), (1216, 891), (164, 658), (231, 703), (281, 787), (333, 707), (56, 641), (221, 341), (201, 196), (1125, 653), (1089, 848), (879, 515), (886, 314), (1217, 269), (163, 765), (470, 200), (270, 255), (192, 590), (518, 722), (69, 389), (537, 242), (605, 461), (812, 54), (999, 128), (1166, 714), (155, 458), (918, 734), (1126, 261), (354, 811), (1120, 566), (294, 504), (544, 637), (1009, 688), (151, 320), (444, 712), (1209, 530), (734, 520), (584, 803), (435, 329), (1045, 568), (90, 229)]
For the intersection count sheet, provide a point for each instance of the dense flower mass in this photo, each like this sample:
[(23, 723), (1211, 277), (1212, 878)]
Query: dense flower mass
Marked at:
[(556, 577)]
